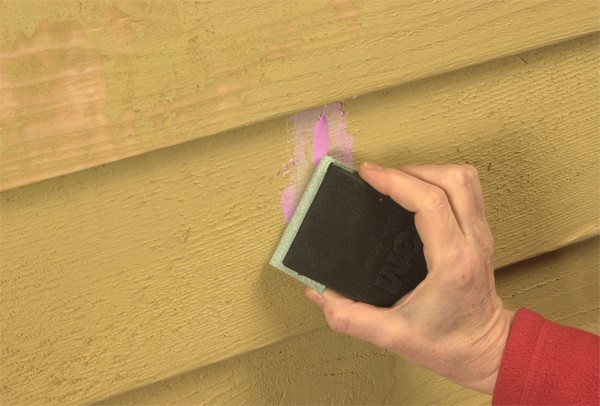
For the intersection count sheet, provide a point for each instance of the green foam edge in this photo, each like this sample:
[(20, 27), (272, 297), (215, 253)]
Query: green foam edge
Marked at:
[(298, 217)]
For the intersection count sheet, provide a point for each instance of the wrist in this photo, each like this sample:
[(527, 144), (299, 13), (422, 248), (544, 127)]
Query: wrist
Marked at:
[(498, 338)]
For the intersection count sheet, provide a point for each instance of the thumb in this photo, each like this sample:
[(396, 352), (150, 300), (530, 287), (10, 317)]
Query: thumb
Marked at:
[(359, 320)]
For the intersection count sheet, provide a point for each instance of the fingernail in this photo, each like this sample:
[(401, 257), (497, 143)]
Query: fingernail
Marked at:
[(315, 297), (372, 167)]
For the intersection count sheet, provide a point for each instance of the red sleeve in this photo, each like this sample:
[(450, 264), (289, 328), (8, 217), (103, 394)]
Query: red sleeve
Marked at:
[(546, 363)]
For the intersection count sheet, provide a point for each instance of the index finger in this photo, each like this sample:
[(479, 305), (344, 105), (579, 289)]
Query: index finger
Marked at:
[(434, 218)]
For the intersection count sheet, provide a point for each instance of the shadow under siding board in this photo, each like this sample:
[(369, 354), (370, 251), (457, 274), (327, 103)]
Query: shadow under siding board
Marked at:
[(321, 367), (132, 272), (88, 83), (562, 285)]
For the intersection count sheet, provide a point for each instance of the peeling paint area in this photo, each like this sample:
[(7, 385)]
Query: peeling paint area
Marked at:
[(315, 132)]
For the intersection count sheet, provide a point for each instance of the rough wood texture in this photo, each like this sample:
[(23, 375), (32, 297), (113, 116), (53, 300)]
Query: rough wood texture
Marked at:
[(321, 367), (529, 123), (131, 272), (86, 83)]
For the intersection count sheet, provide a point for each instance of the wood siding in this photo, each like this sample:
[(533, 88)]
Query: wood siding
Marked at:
[(135, 270), (86, 83), (322, 367)]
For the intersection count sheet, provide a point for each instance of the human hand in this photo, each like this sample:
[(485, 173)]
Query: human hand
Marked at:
[(453, 322)]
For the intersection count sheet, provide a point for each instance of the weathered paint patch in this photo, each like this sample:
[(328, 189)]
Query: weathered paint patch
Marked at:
[(320, 139), (316, 132)]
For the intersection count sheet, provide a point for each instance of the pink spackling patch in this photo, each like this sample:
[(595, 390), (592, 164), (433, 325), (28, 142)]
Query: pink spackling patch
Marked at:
[(289, 168), (297, 169), (316, 132), (288, 202), (320, 139), (341, 141)]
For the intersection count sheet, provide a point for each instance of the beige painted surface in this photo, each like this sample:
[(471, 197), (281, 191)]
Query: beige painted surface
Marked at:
[(131, 272), (529, 123), (321, 367), (86, 83)]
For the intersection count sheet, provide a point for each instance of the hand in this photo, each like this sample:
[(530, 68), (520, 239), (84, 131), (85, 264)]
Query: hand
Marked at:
[(453, 323)]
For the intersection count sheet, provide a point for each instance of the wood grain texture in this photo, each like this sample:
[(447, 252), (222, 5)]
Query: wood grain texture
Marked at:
[(529, 123), (86, 83), (131, 272), (321, 367)]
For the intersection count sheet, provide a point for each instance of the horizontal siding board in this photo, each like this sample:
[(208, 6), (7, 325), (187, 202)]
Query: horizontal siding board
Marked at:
[(322, 367), (85, 84), (131, 272), (516, 120)]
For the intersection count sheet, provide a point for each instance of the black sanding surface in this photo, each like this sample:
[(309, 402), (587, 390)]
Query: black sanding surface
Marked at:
[(358, 242)]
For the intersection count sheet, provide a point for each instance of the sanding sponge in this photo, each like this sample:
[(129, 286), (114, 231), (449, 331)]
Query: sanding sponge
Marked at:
[(347, 236)]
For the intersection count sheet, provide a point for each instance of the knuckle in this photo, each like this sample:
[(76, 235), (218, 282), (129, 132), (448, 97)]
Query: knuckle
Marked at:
[(470, 172), (393, 179), (338, 319), (435, 199), (391, 175), (460, 176)]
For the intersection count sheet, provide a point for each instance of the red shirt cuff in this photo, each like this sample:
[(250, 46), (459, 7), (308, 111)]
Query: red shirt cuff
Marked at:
[(546, 363)]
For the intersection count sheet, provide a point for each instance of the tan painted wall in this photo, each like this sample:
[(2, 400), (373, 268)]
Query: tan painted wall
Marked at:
[(86, 83), (133, 271), (321, 367)]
